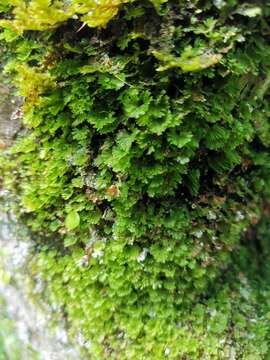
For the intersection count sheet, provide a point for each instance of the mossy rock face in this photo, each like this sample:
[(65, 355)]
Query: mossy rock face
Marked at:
[(144, 173)]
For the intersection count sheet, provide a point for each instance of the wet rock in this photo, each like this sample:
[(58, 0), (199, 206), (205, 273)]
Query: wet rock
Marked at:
[(31, 321), (10, 113)]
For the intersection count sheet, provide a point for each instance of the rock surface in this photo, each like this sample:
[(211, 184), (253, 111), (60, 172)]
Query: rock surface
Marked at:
[(10, 112), (31, 321)]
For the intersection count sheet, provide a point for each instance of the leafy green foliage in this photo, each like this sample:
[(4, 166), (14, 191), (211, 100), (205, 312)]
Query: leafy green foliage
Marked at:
[(144, 163)]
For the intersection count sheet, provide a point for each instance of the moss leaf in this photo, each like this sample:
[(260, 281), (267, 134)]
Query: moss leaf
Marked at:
[(72, 220)]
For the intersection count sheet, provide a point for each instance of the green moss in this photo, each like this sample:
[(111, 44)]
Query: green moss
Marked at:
[(144, 164)]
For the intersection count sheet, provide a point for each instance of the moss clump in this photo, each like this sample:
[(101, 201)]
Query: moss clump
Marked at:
[(145, 162)]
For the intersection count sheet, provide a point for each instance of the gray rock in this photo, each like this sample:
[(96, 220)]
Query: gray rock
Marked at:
[(10, 112)]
